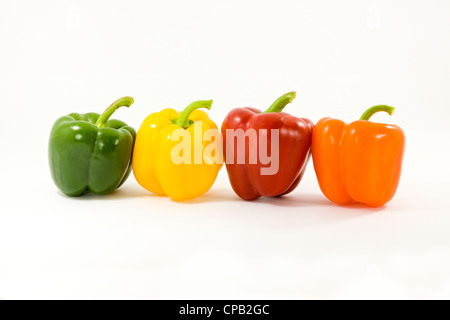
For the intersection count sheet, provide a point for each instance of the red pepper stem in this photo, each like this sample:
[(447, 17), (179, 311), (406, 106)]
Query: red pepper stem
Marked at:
[(379, 108), (281, 102), (183, 121), (122, 102)]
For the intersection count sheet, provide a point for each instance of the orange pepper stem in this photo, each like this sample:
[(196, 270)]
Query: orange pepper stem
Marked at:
[(122, 102), (281, 102), (379, 108), (183, 121)]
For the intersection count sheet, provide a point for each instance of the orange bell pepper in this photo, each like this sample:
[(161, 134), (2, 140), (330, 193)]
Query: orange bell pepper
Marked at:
[(358, 162)]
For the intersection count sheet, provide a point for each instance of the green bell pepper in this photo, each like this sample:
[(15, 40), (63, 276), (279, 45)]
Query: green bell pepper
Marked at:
[(90, 153)]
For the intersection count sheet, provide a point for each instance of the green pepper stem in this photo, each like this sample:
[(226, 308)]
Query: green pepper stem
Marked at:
[(183, 120), (379, 108), (281, 102), (122, 102)]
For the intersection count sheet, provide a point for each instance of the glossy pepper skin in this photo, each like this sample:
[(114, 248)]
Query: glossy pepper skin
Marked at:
[(90, 153), (156, 142), (359, 162), (295, 136)]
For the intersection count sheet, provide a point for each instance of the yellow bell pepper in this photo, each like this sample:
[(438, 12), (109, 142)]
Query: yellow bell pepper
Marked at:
[(178, 154)]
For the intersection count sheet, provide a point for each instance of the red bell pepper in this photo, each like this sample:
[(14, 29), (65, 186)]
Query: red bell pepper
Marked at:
[(248, 178)]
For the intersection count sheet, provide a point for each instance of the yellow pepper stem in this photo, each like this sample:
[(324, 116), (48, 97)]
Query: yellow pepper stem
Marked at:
[(183, 121)]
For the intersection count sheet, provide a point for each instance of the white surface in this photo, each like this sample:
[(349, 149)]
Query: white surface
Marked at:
[(59, 57)]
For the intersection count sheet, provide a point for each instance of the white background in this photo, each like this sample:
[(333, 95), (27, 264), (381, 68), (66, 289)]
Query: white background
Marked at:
[(342, 57)]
